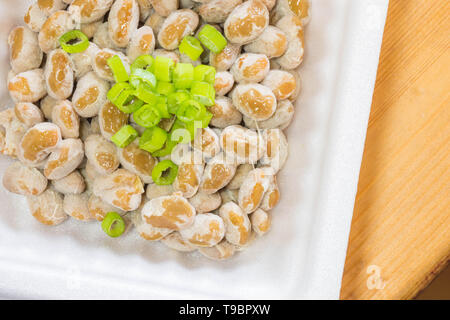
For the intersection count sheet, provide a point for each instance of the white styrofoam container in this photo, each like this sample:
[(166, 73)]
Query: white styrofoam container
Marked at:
[(303, 255)]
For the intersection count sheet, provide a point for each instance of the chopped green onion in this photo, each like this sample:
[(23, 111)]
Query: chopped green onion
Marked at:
[(116, 90), (172, 140), (142, 76), (148, 116), (124, 136), (190, 110), (165, 88), (181, 135), (212, 39), (143, 62), (145, 93), (118, 69), (206, 119), (74, 41), (201, 121), (178, 124), (193, 128), (191, 47), (203, 92), (165, 173), (161, 105), (153, 139), (163, 68), (127, 102), (166, 150), (183, 75), (175, 99), (113, 224), (205, 73)]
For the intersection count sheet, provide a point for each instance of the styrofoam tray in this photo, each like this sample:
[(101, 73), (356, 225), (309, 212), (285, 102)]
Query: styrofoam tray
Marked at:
[(303, 255)]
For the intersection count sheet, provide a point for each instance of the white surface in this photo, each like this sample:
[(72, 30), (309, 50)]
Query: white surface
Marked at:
[(302, 257)]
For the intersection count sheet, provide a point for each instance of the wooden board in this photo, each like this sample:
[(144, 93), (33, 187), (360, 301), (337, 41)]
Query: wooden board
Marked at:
[(400, 236)]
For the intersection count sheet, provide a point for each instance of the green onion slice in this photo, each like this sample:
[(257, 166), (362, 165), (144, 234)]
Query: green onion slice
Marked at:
[(205, 73), (127, 102), (175, 99), (212, 39), (178, 124), (118, 69), (126, 135), (193, 128), (142, 76), (145, 93), (190, 110), (203, 92), (74, 41), (171, 140), (183, 75), (166, 150), (191, 47), (206, 119), (161, 105), (116, 90), (163, 68), (153, 139), (165, 88), (182, 135), (143, 62), (148, 116), (165, 173), (113, 224)]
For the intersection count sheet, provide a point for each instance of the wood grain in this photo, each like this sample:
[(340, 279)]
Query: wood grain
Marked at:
[(401, 223)]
